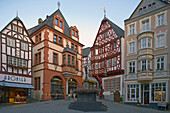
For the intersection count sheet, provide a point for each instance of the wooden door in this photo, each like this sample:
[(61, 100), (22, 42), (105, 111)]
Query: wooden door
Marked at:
[(117, 96)]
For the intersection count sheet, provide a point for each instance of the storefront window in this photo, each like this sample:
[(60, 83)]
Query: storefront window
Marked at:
[(133, 92), (158, 92)]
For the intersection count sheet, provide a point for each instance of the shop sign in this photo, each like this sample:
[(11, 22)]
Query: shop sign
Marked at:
[(16, 79)]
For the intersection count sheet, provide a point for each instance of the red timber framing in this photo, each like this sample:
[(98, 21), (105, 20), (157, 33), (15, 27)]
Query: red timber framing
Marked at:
[(106, 52)]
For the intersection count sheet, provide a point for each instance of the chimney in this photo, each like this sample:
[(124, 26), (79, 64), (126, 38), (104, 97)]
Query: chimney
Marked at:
[(47, 17), (40, 21)]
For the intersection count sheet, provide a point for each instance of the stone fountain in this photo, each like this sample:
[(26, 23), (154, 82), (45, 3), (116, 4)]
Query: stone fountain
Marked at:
[(86, 98)]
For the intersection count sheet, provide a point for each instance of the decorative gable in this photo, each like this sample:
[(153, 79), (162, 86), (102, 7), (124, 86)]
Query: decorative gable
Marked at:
[(74, 33), (105, 34), (146, 6), (58, 23)]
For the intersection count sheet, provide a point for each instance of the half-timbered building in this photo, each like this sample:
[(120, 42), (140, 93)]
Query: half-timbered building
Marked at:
[(147, 58), (107, 58), (15, 63), (57, 57)]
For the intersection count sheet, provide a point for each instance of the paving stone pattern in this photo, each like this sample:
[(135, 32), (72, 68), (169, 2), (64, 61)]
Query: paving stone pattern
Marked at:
[(61, 106)]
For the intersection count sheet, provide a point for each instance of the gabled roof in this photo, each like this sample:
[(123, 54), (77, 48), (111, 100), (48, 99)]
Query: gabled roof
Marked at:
[(86, 51), (18, 19), (49, 22), (143, 3), (119, 31)]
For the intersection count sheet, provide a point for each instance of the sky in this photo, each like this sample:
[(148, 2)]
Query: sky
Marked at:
[(86, 15)]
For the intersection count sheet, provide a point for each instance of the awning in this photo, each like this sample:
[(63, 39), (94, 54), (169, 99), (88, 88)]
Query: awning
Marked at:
[(17, 85)]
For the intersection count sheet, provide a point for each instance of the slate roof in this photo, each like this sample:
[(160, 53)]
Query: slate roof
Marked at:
[(67, 49), (119, 31), (86, 51), (49, 22)]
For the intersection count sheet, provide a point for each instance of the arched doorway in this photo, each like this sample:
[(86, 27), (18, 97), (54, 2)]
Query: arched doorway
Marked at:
[(57, 90), (72, 84), (117, 96)]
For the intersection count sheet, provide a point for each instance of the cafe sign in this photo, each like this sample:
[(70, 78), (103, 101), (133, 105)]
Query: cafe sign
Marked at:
[(16, 79)]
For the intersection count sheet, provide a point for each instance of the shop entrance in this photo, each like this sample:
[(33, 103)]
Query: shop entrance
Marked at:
[(145, 93), (4, 95), (57, 90)]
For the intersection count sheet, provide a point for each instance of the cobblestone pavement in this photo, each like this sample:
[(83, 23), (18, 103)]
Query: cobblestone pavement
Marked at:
[(61, 106)]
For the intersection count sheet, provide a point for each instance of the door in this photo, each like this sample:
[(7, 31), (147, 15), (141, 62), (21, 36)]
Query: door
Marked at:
[(145, 93), (117, 96)]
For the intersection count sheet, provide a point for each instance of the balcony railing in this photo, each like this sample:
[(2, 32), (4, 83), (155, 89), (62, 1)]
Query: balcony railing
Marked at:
[(145, 51), (69, 69), (147, 75)]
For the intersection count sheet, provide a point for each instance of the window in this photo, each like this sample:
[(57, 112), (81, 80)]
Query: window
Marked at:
[(100, 65), (144, 65), (24, 46), (39, 37), (64, 59), (20, 62), (114, 44), (36, 59), (54, 58), (131, 67), (103, 36), (150, 6), (39, 57), (106, 34), (36, 39), (145, 43), (72, 46), (160, 63), (132, 29), (102, 50), (72, 60), (24, 63), (160, 19), (61, 24), (140, 10), (72, 31), (15, 61), (144, 8), (109, 63), (96, 66), (111, 46), (132, 92), (112, 84), (10, 42), (103, 64), (56, 21), (132, 47), (37, 83), (75, 47), (10, 60), (114, 61), (55, 38), (19, 29), (160, 41), (69, 59), (145, 25), (14, 27), (158, 91), (153, 5), (76, 34), (60, 40)]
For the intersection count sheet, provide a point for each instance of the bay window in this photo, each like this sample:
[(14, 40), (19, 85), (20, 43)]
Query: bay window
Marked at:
[(145, 43)]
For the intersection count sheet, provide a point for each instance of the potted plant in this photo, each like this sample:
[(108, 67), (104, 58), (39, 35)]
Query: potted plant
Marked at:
[(121, 100), (138, 103)]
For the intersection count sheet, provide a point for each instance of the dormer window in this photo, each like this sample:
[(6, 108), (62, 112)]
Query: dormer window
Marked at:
[(150, 6), (153, 5), (61, 24), (140, 10), (76, 33), (144, 8), (56, 21), (72, 31)]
